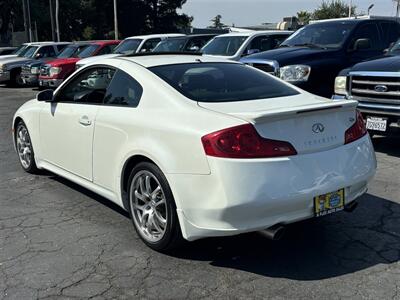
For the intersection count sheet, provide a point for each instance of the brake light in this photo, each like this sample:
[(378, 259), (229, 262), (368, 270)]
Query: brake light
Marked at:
[(244, 142), (356, 131)]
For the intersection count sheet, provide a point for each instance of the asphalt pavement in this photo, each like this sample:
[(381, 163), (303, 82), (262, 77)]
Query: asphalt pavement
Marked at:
[(60, 241)]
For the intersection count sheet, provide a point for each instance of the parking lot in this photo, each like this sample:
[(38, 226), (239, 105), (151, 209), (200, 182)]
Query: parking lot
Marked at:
[(59, 240)]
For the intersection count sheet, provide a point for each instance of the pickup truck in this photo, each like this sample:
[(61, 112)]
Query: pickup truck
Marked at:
[(133, 44), (188, 43), (53, 73), (235, 45), (31, 70), (375, 84), (313, 56), (10, 68)]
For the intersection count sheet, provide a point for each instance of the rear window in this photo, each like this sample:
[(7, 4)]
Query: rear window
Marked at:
[(222, 82)]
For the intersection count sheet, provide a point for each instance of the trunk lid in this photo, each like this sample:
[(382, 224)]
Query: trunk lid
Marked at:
[(308, 122)]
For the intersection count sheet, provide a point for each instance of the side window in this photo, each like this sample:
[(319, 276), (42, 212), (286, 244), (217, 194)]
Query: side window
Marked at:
[(61, 47), (90, 86), (149, 45), (370, 32), (123, 90), (391, 33), (263, 43), (105, 50), (47, 51)]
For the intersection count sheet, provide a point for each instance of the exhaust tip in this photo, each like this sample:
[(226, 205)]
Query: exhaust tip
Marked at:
[(274, 233), (351, 206)]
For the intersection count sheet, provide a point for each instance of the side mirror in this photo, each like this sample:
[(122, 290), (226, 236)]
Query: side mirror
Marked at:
[(46, 95), (38, 55), (251, 51), (362, 44)]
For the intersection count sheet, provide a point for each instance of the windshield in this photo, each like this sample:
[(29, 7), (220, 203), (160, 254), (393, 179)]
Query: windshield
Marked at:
[(71, 51), (128, 46), (221, 82), (30, 51), (226, 45), (88, 51), (329, 35), (170, 45), (19, 50)]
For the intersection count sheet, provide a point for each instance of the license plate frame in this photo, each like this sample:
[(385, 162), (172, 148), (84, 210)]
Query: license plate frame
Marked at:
[(376, 123), (329, 203)]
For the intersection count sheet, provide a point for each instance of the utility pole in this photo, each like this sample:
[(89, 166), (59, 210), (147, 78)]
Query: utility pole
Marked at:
[(25, 20), (57, 24), (115, 20), (398, 9), (53, 36), (28, 6), (350, 8)]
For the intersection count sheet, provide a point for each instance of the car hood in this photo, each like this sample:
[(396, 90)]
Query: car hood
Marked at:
[(288, 54), (91, 59), (384, 64), (63, 61), (2, 57), (15, 60)]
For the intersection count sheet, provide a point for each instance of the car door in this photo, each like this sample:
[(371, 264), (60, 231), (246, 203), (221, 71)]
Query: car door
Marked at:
[(115, 119), (67, 123), (369, 31)]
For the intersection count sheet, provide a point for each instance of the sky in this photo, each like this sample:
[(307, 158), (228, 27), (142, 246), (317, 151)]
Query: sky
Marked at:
[(255, 12)]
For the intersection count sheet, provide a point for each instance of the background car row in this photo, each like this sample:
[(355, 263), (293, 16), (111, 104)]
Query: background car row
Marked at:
[(311, 58)]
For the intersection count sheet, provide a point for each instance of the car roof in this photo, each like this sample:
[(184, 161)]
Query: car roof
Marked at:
[(252, 33), (48, 43), (105, 42), (149, 36), (160, 59), (349, 21)]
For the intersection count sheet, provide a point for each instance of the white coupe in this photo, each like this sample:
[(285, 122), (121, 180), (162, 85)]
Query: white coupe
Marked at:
[(195, 146)]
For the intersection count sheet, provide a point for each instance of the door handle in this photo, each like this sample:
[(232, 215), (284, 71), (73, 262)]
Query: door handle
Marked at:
[(84, 120)]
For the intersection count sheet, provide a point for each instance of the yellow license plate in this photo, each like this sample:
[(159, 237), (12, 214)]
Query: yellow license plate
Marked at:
[(329, 203)]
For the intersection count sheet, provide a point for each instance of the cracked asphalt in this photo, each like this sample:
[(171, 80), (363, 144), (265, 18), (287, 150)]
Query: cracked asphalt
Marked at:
[(60, 241)]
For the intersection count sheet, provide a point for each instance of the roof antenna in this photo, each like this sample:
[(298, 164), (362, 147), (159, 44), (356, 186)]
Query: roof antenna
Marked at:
[(198, 60)]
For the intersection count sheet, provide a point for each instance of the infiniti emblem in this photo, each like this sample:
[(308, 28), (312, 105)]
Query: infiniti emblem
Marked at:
[(318, 128), (381, 88)]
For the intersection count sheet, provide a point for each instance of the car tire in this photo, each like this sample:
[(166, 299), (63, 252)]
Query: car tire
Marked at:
[(16, 79), (152, 208), (24, 149)]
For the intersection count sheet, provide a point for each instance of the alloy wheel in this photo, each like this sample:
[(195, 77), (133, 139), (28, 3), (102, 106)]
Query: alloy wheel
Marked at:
[(148, 206), (24, 147)]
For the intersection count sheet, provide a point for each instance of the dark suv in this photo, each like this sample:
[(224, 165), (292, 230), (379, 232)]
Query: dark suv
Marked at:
[(375, 84), (313, 56)]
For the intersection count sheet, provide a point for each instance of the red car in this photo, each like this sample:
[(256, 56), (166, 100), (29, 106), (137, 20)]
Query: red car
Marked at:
[(54, 72)]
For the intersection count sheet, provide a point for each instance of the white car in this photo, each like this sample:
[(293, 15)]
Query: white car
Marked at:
[(197, 147), (130, 45), (236, 45)]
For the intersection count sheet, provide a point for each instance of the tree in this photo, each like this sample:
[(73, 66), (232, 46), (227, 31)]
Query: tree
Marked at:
[(216, 22), (304, 17), (332, 9)]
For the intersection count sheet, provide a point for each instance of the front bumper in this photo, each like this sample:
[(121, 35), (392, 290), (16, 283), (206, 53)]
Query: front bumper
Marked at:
[(4, 76), (383, 110), (29, 79), (51, 83), (250, 195)]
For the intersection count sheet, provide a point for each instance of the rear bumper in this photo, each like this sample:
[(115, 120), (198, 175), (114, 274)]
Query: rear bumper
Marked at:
[(51, 83), (4, 76), (249, 195)]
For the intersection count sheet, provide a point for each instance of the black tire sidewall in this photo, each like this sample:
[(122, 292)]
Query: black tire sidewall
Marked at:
[(172, 236)]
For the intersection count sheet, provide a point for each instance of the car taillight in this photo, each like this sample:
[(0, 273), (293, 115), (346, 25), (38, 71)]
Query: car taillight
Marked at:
[(244, 142), (358, 130)]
